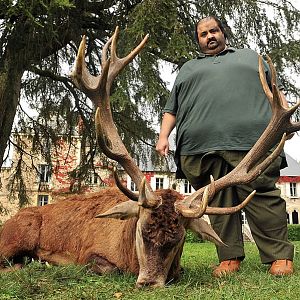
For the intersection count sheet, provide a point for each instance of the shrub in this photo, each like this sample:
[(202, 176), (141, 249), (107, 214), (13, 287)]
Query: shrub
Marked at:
[(294, 232), (191, 237)]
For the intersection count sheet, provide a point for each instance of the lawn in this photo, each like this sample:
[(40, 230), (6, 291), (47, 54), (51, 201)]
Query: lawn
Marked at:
[(39, 281)]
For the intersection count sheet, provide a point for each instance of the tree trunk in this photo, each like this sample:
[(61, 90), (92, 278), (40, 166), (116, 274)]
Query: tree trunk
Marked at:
[(10, 86)]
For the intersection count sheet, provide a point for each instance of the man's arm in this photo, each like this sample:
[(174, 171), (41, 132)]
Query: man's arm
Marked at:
[(167, 125)]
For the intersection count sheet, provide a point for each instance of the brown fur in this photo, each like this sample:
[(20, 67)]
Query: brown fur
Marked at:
[(67, 232), (163, 225)]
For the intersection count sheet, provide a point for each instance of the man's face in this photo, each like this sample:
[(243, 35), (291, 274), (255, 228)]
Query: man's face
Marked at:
[(211, 38)]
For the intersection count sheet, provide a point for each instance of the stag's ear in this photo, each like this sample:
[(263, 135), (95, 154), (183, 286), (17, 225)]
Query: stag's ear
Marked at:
[(124, 210), (202, 228)]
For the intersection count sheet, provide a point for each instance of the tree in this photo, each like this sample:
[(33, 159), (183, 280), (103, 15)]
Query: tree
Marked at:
[(39, 42)]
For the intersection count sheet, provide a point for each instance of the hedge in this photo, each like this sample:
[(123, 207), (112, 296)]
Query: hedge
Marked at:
[(293, 234), (191, 237)]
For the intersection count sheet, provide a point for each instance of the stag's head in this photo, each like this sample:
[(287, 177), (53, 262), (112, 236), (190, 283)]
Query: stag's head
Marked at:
[(163, 216), (160, 234)]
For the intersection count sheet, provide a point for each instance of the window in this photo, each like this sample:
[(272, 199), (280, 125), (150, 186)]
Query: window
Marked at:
[(187, 187), (159, 183), (293, 189), (93, 178), (295, 217), (244, 219), (44, 173), (133, 187), (43, 200)]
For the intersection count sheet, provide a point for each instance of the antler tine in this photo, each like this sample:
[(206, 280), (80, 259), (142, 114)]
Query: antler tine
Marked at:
[(275, 90), (131, 195), (196, 212), (254, 171), (113, 53), (274, 95), (105, 50), (142, 198), (77, 71), (275, 98), (229, 210), (207, 193), (193, 213), (118, 64), (148, 199), (250, 167), (81, 76), (263, 80)]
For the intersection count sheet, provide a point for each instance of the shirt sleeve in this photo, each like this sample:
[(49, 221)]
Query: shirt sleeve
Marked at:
[(172, 103)]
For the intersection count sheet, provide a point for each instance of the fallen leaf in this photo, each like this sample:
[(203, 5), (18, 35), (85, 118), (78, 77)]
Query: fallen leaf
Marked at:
[(118, 295)]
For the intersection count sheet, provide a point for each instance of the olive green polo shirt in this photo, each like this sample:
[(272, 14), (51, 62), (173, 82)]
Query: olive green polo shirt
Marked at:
[(219, 103)]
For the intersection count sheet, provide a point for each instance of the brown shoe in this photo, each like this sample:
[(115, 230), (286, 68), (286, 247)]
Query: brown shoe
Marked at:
[(227, 267), (281, 267)]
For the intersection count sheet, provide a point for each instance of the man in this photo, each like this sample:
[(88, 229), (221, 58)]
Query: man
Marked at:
[(219, 109)]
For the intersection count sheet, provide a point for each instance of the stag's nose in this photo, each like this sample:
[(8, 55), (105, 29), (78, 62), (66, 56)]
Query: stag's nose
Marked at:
[(152, 284), (147, 282)]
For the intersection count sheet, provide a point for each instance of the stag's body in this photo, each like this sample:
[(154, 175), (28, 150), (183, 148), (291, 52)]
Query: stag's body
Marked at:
[(67, 232)]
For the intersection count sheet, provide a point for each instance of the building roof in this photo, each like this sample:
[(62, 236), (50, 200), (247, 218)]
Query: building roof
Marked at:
[(163, 164), (293, 168), (168, 164)]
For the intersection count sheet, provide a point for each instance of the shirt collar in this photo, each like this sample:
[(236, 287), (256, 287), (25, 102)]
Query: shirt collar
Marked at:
[(227, 49)]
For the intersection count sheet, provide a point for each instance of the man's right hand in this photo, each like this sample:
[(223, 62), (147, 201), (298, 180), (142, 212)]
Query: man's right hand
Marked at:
[(162, 146), (167, 125)]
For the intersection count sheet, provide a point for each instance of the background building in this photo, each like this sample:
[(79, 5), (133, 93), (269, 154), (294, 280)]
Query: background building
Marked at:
[(289, 184), (46, 183)]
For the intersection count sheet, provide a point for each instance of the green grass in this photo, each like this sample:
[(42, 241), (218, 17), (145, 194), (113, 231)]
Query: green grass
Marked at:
[(39, 281)]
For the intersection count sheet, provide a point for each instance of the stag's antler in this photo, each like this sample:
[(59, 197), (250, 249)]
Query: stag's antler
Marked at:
[(97, 88), (250, 167)]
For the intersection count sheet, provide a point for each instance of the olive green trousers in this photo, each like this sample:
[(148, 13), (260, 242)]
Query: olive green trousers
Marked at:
[(266, 212)]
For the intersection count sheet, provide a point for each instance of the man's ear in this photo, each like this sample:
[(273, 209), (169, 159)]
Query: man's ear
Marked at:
[(205, 231), (123, 211)]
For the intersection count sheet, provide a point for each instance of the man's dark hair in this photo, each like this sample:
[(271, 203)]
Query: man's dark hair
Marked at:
[(218, 21)]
